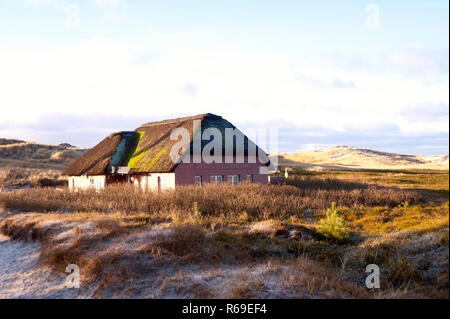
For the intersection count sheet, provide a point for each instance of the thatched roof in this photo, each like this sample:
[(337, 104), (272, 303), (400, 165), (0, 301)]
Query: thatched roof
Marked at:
[(96, 160), (147, 149)]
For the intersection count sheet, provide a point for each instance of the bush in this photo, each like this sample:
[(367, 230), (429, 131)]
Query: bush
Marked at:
[(333, 226)]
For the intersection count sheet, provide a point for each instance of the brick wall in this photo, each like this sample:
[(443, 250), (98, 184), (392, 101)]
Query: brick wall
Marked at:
[(186, 172)]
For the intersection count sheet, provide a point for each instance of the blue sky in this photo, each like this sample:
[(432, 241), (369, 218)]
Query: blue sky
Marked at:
[(369, 74)]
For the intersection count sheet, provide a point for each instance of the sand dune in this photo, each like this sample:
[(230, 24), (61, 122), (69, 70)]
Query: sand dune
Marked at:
[(21, 275), (23, 164), (349, 157), (17, 153)]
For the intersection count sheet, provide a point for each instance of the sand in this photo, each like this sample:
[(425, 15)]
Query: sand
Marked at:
[(21, 276), (348, 157)]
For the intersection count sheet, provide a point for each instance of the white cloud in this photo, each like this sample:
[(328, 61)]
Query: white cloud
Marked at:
[(37, 2), (107, 3), (421, 62), (113, 17), (109, 77)]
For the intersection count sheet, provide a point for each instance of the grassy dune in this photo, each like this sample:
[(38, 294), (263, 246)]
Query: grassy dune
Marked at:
[(26, 163), (434, 183), (247, 241)]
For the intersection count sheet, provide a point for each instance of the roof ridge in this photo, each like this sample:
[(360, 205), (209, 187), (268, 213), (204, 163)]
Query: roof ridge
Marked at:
[(179, 119), (119, 133)]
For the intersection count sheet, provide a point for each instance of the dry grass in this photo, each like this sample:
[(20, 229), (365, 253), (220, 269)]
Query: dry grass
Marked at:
[(378, 221), (297, 278), (111, 256), (257, 201), (433, 183), (15, 176), (250, 241)]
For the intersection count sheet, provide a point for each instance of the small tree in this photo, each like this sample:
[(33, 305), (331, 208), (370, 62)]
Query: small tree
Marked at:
[(333, 226)]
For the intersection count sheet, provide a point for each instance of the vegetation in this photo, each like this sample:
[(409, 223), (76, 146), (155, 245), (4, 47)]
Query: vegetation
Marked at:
[(273, 241), (433, 182), (20, 177), (333, 226), (256, 200)]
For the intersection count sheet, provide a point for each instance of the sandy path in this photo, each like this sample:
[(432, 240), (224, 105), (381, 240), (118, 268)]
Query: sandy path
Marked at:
[(22, 277)]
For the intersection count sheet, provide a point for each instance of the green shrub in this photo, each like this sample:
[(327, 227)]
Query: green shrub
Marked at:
[(333, 226)]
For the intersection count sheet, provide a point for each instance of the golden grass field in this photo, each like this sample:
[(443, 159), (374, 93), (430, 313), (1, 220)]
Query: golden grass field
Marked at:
[(246, 241)]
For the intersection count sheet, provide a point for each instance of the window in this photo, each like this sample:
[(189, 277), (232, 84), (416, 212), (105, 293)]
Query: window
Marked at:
[(249, 178), (198, 180), (216, 179), (233, 179)]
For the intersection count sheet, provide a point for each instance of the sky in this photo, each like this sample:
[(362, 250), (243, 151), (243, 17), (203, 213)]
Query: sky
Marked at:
[(371, 74)]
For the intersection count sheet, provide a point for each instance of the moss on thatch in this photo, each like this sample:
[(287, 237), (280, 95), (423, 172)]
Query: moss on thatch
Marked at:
[(148, 148), (126, 147)]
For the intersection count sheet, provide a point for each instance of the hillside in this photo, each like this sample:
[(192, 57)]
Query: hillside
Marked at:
[(349, 157), (24, 164), (303, 237), (17, 153), (22, 154)]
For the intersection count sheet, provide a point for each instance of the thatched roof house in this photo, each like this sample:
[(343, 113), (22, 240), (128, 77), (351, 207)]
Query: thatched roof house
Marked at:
[(145, 156)]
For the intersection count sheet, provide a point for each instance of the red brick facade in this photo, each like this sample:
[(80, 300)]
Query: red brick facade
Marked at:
[(185, 172)]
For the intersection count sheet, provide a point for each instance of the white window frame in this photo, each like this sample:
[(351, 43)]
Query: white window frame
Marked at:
[(251, 178), (217, 179), (195, 180), (234, 179)]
